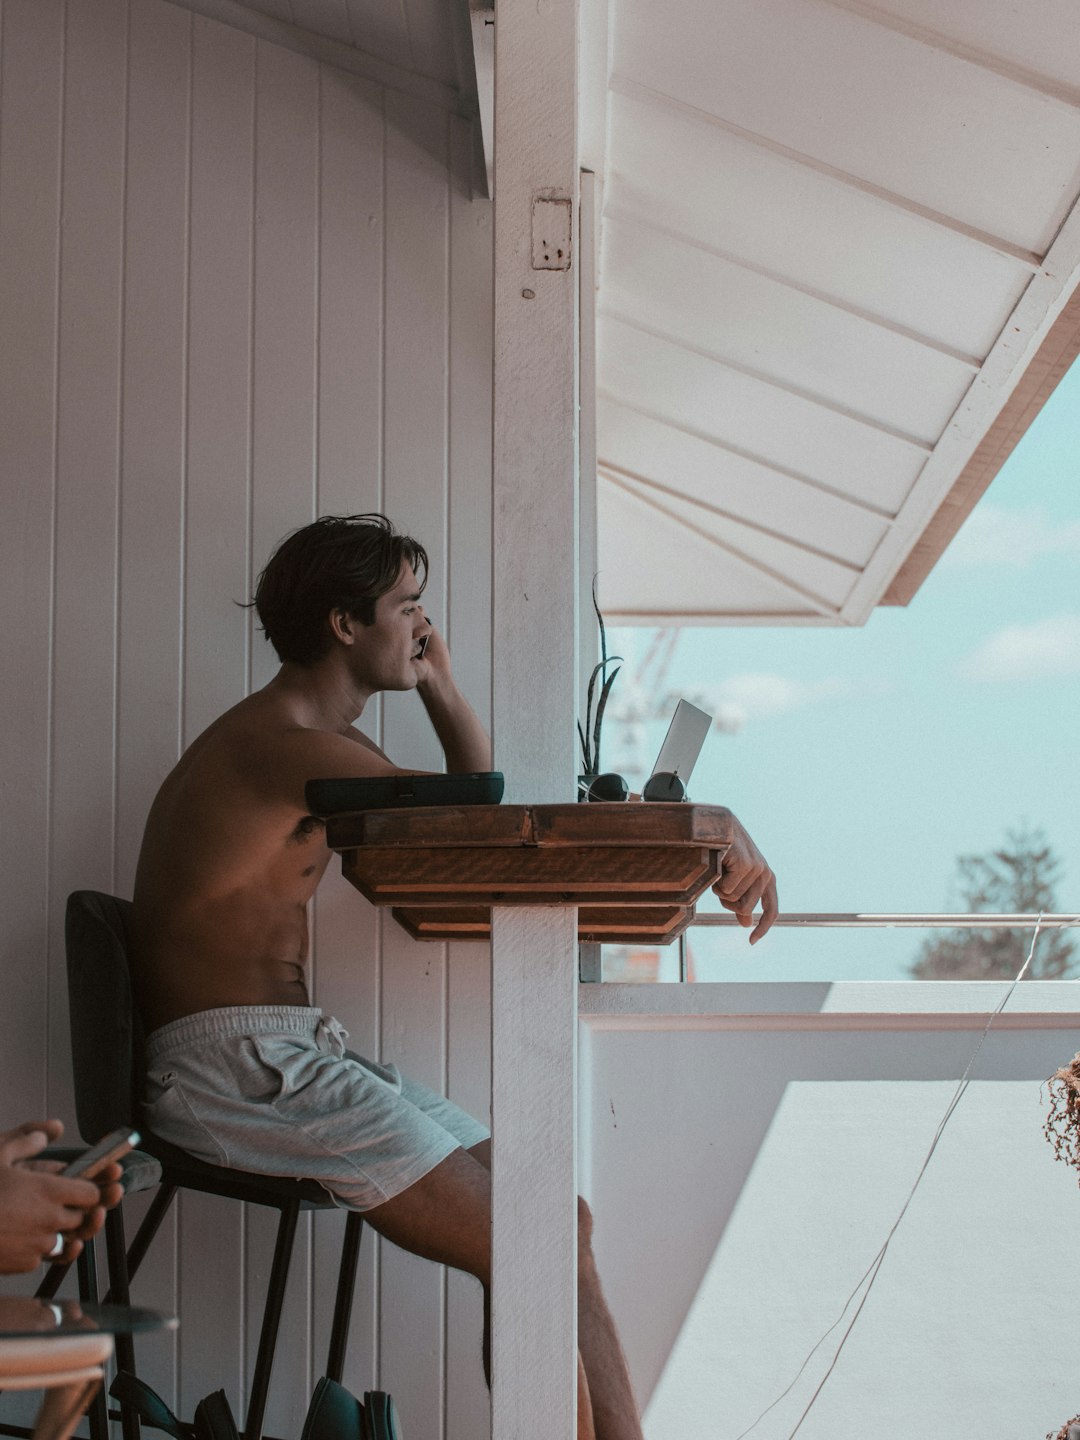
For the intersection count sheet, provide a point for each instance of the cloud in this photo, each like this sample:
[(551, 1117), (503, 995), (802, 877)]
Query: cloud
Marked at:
[(995, 536), (755, 696), (1049, 647)]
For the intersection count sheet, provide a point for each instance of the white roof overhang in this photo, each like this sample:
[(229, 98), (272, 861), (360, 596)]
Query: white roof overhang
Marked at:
[(838, 247)]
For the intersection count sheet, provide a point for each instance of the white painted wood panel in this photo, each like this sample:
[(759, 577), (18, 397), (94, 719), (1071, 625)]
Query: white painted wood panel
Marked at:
[(641, 548), (382, 29), (31, 109), (960, 140), (738, 485), (717, 306), (1039, 41), (417, 362), (781, 427), (766, 211), (819, 578), (200, 368)]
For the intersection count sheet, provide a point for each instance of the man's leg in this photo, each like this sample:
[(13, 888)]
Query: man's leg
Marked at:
[(615, 1412), (451, 1217)]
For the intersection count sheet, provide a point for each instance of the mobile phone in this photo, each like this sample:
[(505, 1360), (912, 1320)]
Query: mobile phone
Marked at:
[(108, 1149), (424, 644)]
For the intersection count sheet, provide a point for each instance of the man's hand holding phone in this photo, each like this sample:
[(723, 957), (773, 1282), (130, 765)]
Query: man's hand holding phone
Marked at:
[(40, 1207)]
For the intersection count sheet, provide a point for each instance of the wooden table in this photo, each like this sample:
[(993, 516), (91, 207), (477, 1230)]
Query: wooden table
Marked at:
[(633, 871)]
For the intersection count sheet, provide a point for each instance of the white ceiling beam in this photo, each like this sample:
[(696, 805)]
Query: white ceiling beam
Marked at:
[(621, 472), (623, 85), (476, 60), (1019, 342), (782, 584), (1056, 354), (831, 490), (621, 214), (936, 39), (846, 412), (337, 53)]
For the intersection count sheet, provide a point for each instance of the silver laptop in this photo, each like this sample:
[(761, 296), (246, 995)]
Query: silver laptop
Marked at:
[(683, 742)]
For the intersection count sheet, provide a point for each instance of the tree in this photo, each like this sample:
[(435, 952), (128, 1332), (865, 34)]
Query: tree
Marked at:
[(1020, 878)]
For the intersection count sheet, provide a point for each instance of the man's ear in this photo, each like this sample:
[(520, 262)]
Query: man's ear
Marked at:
[(342, 626)]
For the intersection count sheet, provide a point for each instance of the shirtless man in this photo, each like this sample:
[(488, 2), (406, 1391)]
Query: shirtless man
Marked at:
[(241, 1069)]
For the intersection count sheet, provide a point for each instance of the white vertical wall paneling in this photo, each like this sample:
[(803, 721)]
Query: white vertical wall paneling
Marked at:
[(219, 376), (414, 975), (468, 1410), (346, 939), (31, 78), (214, 392), (286, 178), (148, 578), (152, 417), (84, 653), (214, 629), (283, 491)]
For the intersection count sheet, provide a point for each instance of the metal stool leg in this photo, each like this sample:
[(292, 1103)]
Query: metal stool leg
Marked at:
[(86, 1265), (151, 1222), (116, 1254), (339, 1331), (275, 1296)]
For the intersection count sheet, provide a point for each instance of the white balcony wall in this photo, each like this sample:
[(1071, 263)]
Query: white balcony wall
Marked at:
[(237, 289), (746, 1149)]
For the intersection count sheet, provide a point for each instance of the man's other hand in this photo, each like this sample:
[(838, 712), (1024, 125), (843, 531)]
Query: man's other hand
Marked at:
[(38, 1205), (746, 882)]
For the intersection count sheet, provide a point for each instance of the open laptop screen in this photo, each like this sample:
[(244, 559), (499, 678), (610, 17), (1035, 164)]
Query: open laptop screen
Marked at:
[(683, 741)]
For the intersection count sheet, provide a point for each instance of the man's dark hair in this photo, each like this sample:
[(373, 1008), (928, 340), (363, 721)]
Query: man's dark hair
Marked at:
[(339, 562)]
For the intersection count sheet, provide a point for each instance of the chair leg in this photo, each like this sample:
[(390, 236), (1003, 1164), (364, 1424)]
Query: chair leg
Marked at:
[(151, 1223), (54, 1278), (339, 1331), (116, 1255), (275, 1297), (86, 1265)]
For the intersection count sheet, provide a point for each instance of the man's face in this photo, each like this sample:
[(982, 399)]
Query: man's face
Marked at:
[(383, 652)]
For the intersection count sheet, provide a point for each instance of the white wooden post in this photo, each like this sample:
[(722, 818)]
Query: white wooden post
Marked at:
[(535, 581)]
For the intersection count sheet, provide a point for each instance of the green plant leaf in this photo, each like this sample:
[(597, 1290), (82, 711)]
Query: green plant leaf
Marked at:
[(601, 707)]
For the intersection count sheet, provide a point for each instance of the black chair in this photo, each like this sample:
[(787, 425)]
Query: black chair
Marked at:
[(107, 1050)]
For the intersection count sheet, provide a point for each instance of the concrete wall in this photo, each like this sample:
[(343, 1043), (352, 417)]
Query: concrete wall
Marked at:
[(237, 289)]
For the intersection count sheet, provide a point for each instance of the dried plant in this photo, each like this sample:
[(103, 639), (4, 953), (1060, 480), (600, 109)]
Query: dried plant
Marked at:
[(590, 734), (1062, 1127), (1063, 1433)]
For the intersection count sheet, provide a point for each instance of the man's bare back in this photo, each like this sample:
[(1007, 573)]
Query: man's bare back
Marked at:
[(229, 862)]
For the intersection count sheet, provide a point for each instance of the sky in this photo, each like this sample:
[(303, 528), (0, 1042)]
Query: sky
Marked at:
[(866, 760)]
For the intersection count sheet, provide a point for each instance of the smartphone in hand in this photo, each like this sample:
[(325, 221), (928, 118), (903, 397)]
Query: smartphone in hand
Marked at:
[(92, 1161)]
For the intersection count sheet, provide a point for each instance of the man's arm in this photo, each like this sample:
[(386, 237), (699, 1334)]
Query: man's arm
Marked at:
[(464, 740)]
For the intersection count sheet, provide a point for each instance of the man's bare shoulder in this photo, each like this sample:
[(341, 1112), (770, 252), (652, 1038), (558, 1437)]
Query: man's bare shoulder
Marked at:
[(266, 738)]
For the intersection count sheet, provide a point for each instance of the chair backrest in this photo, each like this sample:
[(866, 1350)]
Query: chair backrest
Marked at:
[(106, 1039)]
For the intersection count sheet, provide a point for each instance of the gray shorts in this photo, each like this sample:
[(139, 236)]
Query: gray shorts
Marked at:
[(272, 1089)]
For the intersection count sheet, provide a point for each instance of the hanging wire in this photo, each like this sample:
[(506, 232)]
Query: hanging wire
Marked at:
[(866, 1281)]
